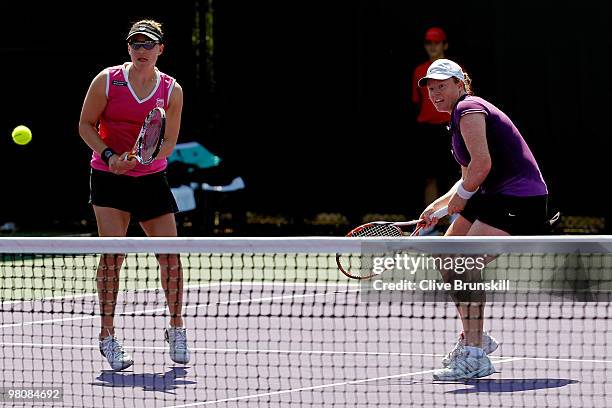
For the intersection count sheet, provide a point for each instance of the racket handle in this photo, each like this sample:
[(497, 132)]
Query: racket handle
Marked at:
[(441, 213), (130, 156)]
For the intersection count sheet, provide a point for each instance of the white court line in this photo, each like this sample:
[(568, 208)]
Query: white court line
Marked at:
[(284, 351), (314, 387), (561, 360), (227, 350), (163, 309), (188, 287)]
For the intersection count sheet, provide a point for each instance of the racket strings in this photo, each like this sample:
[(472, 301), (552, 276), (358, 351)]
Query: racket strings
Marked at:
[(358, 266), (150, 138), (377, 230)]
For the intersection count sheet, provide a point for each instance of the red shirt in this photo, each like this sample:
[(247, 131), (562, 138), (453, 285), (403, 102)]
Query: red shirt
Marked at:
[(427, 111)]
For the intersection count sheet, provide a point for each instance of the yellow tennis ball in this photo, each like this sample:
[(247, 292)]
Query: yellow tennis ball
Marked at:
[(22, 135)]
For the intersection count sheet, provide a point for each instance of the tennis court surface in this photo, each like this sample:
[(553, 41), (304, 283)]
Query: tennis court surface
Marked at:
[(271, 322)]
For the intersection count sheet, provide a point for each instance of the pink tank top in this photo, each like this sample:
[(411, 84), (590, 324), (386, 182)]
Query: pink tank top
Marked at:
[(124, 113)]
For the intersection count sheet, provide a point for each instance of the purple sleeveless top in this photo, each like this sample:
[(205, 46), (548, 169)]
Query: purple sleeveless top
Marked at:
[(514, 170)]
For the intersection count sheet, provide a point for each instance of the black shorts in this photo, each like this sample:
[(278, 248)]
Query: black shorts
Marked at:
[(144, 197), (515, 215)]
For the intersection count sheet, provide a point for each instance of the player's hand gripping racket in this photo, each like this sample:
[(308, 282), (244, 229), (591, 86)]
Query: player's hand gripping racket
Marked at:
[(378, 229), (150, 138)]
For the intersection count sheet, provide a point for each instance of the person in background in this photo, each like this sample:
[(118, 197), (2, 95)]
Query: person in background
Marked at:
[(429, 138)]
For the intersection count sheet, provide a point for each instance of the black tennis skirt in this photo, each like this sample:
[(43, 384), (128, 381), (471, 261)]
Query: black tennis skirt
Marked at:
[(144, 197)]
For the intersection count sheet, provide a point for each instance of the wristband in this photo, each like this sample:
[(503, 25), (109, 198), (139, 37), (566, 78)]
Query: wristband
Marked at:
[(107, 154), (463, 193)]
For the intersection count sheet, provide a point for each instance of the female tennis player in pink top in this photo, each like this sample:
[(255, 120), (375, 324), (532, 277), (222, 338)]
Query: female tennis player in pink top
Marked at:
[(114, 109)]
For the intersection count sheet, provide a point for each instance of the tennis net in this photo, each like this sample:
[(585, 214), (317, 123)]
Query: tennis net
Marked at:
[(271, 322)]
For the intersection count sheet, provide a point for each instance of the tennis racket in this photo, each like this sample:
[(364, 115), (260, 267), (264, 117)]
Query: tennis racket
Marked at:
[(352, 265), (150, 138)]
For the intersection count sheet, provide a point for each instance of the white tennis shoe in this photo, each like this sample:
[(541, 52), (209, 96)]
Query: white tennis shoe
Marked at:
[(469, 362), (118, 358), (489, 345), (177, 341)]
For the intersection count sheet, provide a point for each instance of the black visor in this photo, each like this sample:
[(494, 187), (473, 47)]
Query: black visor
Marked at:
[(147, 30)]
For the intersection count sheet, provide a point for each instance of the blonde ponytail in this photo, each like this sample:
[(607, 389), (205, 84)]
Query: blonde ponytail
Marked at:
[(467, 83)]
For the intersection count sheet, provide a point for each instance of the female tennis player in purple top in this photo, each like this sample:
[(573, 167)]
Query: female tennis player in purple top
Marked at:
[(501, 192)]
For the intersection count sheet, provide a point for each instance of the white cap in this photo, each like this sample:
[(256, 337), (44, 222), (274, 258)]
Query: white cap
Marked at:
[(442, 69)]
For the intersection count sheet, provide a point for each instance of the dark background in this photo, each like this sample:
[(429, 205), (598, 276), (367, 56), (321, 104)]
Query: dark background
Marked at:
[(309, 101)]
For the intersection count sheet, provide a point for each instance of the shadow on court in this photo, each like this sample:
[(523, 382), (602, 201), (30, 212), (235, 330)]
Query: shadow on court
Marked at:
[(512, 385), (166, 382)]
